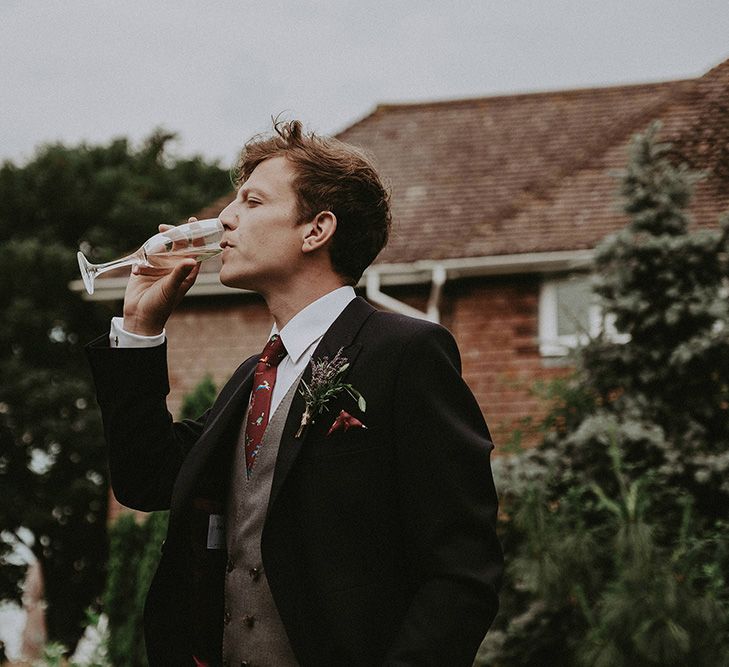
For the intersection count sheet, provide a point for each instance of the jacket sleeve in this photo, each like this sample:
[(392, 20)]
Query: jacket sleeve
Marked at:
[(447, 507), (146, 448)]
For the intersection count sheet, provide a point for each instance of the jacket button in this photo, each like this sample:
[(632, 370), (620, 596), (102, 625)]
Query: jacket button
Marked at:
[(249, 620), (226, 617), (254, 573), (245, 663), (230, 565)]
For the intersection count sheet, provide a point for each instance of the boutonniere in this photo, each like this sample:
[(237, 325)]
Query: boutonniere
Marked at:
[(325, 384)]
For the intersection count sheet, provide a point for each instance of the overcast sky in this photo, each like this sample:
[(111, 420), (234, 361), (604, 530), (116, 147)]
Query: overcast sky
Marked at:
[(215, 72)]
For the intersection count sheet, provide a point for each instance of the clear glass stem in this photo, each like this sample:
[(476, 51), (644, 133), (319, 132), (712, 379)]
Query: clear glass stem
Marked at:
[(90, 271)]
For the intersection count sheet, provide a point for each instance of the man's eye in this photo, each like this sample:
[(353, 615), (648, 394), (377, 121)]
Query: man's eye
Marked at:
[(252, 202)]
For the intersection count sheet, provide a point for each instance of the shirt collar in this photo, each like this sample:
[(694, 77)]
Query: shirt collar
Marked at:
[(311, 323)]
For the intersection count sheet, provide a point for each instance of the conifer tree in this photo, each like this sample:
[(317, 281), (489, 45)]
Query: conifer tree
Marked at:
[(614, 523), (665, 287)]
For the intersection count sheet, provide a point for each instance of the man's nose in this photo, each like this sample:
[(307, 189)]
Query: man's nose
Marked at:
[(228, 217)]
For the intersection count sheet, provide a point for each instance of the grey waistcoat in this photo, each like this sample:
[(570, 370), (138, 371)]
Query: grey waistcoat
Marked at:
[(253, 630)]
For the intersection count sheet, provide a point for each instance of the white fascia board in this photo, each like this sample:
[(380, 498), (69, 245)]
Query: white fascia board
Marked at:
[(112, 289), (406, 273), (421, 271)]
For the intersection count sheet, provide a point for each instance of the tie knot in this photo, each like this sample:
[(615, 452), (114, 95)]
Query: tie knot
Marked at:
[(274, 351)]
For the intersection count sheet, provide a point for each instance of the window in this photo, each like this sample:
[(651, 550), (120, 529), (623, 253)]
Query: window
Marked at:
[(569, 314)]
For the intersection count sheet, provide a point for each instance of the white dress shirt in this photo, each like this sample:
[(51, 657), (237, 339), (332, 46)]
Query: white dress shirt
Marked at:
[(300, 337)]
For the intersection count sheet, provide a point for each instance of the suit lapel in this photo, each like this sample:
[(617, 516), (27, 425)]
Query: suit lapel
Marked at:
[(339, 336)]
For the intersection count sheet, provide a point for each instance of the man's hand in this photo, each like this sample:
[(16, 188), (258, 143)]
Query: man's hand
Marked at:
[(152, 293)]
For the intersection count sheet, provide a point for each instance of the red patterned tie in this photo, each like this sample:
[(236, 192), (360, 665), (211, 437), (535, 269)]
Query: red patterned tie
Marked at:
[(264, 379)]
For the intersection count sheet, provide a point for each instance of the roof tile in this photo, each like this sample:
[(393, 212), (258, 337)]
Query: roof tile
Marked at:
[(532, 172)]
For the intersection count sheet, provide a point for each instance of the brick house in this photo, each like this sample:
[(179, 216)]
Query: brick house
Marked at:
[(498, 203)]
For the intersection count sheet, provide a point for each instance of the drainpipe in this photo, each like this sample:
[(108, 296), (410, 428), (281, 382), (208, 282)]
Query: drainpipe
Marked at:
[(379, 298), (438, 279)]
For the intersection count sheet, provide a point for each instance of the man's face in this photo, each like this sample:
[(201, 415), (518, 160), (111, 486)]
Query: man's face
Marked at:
[(262, 240)]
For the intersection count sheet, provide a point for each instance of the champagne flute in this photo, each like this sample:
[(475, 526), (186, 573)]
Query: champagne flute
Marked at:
[(199, 239)]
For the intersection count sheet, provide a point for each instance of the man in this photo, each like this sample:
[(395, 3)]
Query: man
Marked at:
[(335, 506)]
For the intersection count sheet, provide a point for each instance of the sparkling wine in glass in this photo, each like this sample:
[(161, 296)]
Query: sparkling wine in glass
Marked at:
[(199, 240)]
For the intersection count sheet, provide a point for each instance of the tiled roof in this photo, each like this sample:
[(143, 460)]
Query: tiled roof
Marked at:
[(533, 172)]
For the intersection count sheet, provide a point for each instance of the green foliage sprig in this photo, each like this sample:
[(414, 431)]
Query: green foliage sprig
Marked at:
[(325, 384)]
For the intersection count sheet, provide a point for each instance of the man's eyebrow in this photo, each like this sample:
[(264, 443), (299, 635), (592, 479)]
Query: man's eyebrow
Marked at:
[(245, 192)]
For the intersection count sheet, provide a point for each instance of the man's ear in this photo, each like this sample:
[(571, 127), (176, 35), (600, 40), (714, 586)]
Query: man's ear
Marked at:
[(319, 231)]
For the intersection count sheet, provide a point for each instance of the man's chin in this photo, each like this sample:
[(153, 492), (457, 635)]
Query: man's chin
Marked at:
[(234, 281)]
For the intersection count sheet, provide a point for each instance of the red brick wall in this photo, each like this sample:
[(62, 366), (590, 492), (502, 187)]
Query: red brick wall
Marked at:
[(213, 336), (495, 323)]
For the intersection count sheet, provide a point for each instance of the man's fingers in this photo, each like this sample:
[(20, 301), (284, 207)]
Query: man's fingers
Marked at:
[(153, 271), (178, 278), (180, 281), (184, 274), (188, 282), (164, 228)]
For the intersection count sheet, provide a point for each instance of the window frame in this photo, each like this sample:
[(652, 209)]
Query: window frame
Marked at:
[(551, 343)]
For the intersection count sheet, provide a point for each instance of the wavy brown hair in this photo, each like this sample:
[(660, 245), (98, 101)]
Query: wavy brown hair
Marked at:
[(330, 176)]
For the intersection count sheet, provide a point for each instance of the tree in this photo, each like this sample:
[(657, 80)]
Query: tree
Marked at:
[(106, 199), (615, 521)]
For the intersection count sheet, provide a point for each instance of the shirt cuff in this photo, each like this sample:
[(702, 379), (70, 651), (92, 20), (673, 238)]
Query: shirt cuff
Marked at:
[(120, 338)]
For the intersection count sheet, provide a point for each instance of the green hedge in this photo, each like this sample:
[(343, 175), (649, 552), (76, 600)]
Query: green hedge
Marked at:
[(134, 555)]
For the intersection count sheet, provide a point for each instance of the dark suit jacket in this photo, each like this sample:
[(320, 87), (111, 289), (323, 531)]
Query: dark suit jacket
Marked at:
[(379, 543)]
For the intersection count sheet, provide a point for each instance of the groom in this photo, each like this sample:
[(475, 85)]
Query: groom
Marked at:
[(335, 506)]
